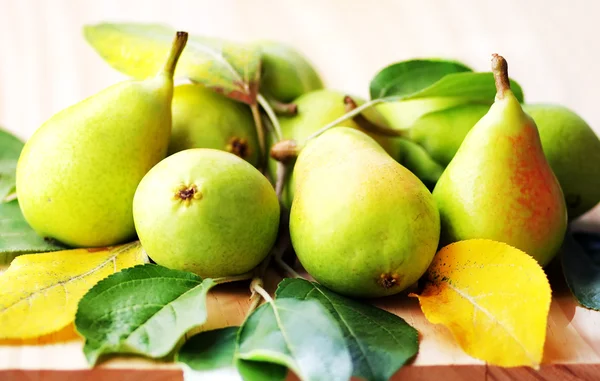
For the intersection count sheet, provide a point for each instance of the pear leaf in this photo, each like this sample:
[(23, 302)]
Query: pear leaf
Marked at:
[(410, 76), (580, 257), (139, 50), (39, 293), (211, 356), (298, 334), (17, 237), (380, 342), (142, 310), (10, 149), (467, 291)]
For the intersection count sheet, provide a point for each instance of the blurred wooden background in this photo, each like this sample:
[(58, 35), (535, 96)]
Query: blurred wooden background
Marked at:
[(551, 45)]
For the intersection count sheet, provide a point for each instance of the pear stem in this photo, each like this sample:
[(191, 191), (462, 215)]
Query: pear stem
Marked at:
[(367, 124), (234, 278), (257, 287), (345, 117), (500, 70), (271, 115), (176, 49), (260, 131)]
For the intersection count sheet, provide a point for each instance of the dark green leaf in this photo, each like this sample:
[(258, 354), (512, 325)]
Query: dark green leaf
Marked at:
[(580, 257), (408, 77), (380, 342), (210, 356), (298, 334), (141, 310), (472, 87), (16, 237), (139, 50), (10, 149)]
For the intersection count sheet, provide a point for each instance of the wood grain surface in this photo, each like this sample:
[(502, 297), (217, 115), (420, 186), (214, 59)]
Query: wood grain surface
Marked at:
[(45, 65)]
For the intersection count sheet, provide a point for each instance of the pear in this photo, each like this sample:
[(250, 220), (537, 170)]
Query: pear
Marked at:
[(499, 184), (402, 114), (315, 110), (77, 174), (416, 159), (442, 132), (202, 118), (361, 224), (286, 73), (573, 151), (206, 211)]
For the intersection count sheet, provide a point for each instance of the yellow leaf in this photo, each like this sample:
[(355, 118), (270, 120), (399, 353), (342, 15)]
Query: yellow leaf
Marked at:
[(494, 298), (39, 293)]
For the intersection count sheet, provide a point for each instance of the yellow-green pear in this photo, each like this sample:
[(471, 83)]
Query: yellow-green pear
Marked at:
[(361, 224), (202, 118), (286, 73), (499, 184), (573, 151), (206, 211), (77, 174)]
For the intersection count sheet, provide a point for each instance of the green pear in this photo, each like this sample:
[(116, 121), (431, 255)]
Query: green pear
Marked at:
[(286, 73), (315, 110), (573, 151), (499, 184), (206, 211), (202, 118), (442, 132), (361, 224), (77, 174), (416, 159), (402, 114)]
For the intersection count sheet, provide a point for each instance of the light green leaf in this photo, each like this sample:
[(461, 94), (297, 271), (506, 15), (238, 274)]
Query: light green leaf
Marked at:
[(16, 237), (139, 51), (380, 342), (410, 76), (142, 310), (298, 334), (10, 149)]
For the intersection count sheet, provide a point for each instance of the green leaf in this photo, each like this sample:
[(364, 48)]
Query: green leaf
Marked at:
[(211, 355), (10, 149), (142, 310), (139, 50), (380, 342), (408, 77), (17, 237), (298, 334), (580, 257), (474, 87)]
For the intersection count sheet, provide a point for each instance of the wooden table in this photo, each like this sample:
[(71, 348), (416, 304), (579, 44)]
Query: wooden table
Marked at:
[(572, 349)]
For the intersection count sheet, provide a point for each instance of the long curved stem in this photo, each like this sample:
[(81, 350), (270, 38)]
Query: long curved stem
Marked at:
[(234, 278), (272, 116), (260, 131), (345, 117)]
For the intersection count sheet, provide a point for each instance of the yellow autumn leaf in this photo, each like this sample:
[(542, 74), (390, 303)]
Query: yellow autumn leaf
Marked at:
[(39, 293), (494, 298)]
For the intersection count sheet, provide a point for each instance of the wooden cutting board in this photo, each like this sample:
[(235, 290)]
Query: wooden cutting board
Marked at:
[(572, 349)]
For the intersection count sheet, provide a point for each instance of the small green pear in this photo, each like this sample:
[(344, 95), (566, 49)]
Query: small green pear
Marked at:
[(499, 184), (202, 118), (286, 73), (573, 151), (361, 224), (416, 159), (77, 174), (315, 110), (442, 132), (206, 211), (402, 114)]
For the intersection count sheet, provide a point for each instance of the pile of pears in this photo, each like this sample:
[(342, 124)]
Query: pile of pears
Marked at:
[(180, 168)]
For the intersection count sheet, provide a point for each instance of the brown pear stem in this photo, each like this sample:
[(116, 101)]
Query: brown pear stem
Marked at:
[(366, 124), (285, 151), (500, 70), (176, 49)]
